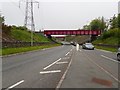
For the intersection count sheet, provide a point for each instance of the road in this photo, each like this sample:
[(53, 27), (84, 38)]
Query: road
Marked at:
[(61, 67)]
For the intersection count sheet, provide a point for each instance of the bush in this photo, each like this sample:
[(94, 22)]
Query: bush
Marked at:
[(6, 29), (111, 33)]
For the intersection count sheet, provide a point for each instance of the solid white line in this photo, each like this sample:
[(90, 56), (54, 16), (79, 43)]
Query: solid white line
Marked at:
[(71, 50), (106, 71), (67, 53), (54, 71), (15, 84), (63, 77), (61, 62), (66, 58), (51, 64), (110, 59)]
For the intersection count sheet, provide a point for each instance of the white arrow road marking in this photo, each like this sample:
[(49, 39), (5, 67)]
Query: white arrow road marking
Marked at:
[(110, 59), (61, 62), (51, 64), (15, 84), (54, 71)]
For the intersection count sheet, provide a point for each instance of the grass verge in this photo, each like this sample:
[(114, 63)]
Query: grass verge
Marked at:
[(8, 51), (106, 48)]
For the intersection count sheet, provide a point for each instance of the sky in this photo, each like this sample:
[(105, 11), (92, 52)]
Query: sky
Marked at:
[(59, 14)]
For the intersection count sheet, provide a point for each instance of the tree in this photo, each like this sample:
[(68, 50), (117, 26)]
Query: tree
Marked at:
[(86, 27), (103, 24), (98, 24), (114, 22), (118, 22), (2, 19)]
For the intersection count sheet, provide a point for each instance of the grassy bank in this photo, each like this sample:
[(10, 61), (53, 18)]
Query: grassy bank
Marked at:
[(8, 51), (24, 35), (110, 37), (106, 48)]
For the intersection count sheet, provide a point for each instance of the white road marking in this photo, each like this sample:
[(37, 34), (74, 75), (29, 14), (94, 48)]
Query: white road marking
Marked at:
[(63, 77), (66, 58), (54, 71), (15, 84), (61, 62), (67, 53), (106, 71), (51, 64), (110, 59), (71, 50)]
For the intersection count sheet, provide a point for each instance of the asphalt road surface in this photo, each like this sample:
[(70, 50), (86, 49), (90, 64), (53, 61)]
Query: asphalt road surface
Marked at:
[(61, 67)]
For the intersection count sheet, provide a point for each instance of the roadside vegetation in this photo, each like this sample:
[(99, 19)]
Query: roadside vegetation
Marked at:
[(111, 37), (110, 32), (21, 34), (8, 51), (106, 48)]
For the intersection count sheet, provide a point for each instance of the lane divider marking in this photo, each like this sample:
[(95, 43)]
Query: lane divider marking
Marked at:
[(18, 83), (61, 62), (67, 53), (66, 58), (54, 71), (110, 59), (51, 64), (71, 50), (105, 71), (63, 77)]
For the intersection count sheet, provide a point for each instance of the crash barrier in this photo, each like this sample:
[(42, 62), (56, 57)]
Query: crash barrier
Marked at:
[(23, 44)]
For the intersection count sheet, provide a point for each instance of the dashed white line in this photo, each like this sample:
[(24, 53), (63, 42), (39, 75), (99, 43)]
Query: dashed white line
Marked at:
[(54, 71), (110, 59), (18, 83), (67, 53), (61, 62), (51, 64)]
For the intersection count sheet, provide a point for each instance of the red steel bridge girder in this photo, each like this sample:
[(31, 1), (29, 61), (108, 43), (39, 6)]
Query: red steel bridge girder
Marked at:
[(72, 32)]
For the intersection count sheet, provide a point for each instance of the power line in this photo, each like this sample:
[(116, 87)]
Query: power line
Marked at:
[(29, 19), (18, 7)]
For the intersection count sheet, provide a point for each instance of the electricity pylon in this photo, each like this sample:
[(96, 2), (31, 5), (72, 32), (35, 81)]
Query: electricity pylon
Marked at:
[(29, 18)]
